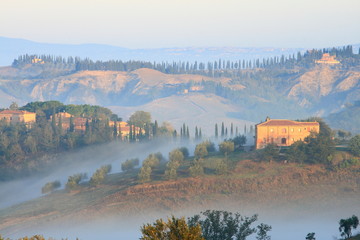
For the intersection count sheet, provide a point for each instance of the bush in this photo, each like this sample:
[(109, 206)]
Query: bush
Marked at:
[(200, 151), (129, 164), (354, 145), (226, 147), (197, 168), (50, 186), (145, 174), (74, 180), (184, 151), (99, 176), (152, 161)]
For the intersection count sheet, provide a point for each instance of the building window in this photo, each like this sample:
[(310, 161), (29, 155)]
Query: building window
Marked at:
[(283, 130), (271, 130), (283, 141), (299, 129), (292, 129)]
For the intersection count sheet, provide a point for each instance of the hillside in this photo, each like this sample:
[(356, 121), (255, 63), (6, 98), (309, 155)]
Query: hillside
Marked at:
[(241, 91), (287, 191), (348, 118)]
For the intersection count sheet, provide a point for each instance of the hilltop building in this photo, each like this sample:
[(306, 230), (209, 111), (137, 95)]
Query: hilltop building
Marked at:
[(327, 59), (36, 60), (282, 132), (18, 116)]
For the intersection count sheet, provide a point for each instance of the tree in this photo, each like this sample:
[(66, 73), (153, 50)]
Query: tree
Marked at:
[(263, 229), (200, 151), (223, 225), (354, 145), (74, 180), (50, 186), (14, 106), (270, 153), (173, 229), (226, 147), (145, 174), (99, 176), (184, 151), (239, 142), (140, 119), (222, 130), (221, 167), (310, 236), (129, 164), (347, 224), (216, 131), (197, 168)]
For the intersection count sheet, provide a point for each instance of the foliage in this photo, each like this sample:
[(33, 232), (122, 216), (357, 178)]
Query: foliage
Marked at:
[(269, 153), (197, 168), (99, 176), (223, 225), (173, 229), (140, 119), (310, 236), (74, 180), (200, 151), (347, 224), (145, 173), (263, 229), (129, 164), (297, 152), (226, 147), (239, 142), (152, 160), (354, 145), (221, 167), (184, 151), (319, 148), (50, 186)]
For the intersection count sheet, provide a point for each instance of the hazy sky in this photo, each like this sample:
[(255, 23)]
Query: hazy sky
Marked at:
[(179, 23)]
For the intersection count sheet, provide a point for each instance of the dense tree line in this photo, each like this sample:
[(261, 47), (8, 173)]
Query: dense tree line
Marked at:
[(219, 68)]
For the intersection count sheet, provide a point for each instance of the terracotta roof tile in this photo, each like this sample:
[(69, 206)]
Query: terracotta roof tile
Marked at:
[(281, 122)]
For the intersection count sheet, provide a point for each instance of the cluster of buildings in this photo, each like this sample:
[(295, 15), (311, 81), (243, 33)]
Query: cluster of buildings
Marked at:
[(280, 132), (79, 123)]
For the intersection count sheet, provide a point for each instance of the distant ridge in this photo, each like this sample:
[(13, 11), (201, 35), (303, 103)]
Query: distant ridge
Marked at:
[(11, 48)]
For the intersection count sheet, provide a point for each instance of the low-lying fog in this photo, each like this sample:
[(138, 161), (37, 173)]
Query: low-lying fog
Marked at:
[(288, 222)]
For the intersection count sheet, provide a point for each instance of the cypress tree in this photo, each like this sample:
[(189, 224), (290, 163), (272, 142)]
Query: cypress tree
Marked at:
[(196, 133), (222, 130), (72, 126), (187, 133), (115, 131), (232, 130), (216, 131), (236, 132), (200, 134)]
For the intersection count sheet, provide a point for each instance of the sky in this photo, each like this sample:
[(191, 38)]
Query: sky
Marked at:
[(184, 23)]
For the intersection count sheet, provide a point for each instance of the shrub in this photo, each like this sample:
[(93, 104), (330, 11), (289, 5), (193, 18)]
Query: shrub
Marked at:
[(50, 186), (99, 176), (129, 164), (226, 147), (74, 180)]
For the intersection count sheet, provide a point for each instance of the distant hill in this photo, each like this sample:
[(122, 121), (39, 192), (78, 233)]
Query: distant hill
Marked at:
[(11, 48), (347, 119)]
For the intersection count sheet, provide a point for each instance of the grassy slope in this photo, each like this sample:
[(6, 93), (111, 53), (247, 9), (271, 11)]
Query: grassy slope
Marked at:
[(254, 184)]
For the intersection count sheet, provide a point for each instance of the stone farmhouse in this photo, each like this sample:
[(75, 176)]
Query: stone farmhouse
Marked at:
[(18, 116), (282, 132), (327, 59)]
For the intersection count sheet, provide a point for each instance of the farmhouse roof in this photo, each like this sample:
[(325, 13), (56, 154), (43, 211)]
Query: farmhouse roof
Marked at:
[(282, 122)]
